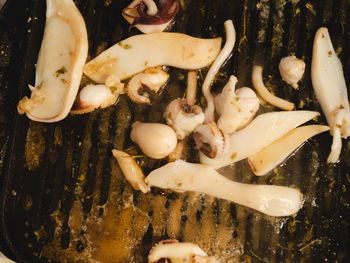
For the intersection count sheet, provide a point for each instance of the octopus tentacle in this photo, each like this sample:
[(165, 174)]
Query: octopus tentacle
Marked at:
[(210, 140)]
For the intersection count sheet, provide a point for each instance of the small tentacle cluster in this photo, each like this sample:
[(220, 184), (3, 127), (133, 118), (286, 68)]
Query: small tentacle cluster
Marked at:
[(211, 140), (182, 117), (151, 80), (148, 18)]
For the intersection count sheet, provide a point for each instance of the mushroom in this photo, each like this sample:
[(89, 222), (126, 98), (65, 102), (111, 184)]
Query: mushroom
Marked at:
[(268, 199), (260, 87), (215, 67), (156, 140), (60, 62), (236, 108), (330, 88), (145, 15), (262, 131), (182, 117), (152, 79), (210, 140), (292, 70), (132, 172), (272, 155), (152, 50), (173, 251)]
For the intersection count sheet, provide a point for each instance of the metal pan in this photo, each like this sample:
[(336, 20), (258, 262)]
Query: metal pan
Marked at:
[(64, 199)]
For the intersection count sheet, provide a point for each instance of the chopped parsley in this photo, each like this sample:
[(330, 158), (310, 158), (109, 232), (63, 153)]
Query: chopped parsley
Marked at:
[(125, 46), (113, 89)]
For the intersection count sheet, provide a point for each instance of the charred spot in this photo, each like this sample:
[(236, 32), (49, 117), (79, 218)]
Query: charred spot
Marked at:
[(169, 241), (144, 90), (186, 107), (202, 146), (208, 150), (164, 260), (77, 105)]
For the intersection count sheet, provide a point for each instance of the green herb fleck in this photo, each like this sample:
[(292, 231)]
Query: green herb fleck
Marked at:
[(180, 76), (112, 88), (125, 46), (292, 226), (279, 176)]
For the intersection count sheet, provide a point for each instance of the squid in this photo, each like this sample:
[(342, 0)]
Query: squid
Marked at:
[(268, 199), (262, 131), (330, 88), (152, 50), (60, 64)]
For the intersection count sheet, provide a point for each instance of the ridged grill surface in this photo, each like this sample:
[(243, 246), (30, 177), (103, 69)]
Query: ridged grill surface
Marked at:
[(64, 198)]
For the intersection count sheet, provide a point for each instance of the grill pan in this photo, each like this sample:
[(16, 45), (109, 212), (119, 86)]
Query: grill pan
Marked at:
[(63, 197)]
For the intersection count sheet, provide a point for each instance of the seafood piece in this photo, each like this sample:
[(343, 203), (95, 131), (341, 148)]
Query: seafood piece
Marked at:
[(113, 82), (152, 50), (146, 17), (181, 151), (265, 93), (262, 131), (178, 153), (132, 172), (215, 67), (173, 251), (211, 141), (92, 97), (4, 259), (292, 70), (182, 117), (268, 199), (191, 90), (60, 62), (330, 88), (156, 140), (151, 79), (272, 155), (236, 108)]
